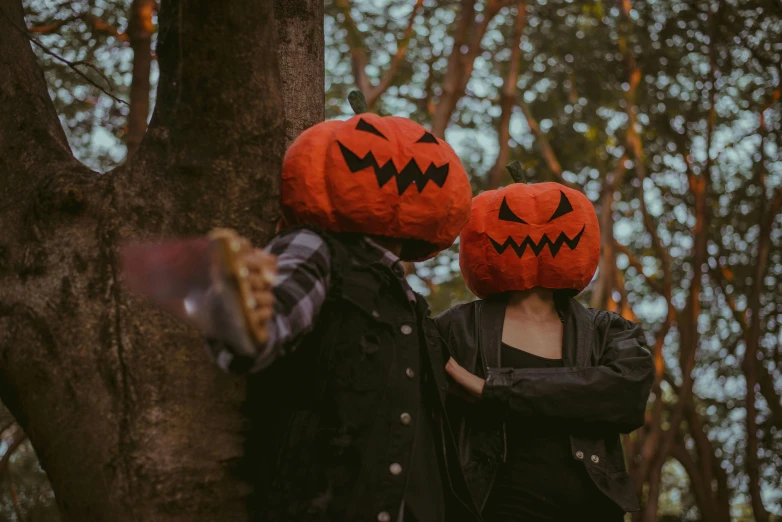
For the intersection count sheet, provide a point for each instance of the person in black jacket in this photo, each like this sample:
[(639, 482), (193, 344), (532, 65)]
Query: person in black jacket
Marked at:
[(347, 390), (543, 387)]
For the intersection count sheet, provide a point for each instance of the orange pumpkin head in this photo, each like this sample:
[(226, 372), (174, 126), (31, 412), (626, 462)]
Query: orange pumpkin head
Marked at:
[(385, 176), (523, 236)]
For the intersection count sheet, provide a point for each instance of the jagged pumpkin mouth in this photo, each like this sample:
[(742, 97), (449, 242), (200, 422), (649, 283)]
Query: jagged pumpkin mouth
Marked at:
[(536, 248), (409, 175)]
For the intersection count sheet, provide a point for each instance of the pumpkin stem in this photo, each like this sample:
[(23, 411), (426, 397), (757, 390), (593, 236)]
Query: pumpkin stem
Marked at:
[(357, 101), (516, 172)]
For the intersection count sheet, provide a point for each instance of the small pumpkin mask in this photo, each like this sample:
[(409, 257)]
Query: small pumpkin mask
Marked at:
[(385, 176), (523, 236)]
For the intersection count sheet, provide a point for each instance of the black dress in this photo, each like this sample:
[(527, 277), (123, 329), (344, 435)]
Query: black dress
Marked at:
[(540, 480)]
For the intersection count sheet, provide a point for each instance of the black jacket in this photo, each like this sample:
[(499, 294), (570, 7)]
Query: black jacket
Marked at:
[(353, 421), (603, 390)]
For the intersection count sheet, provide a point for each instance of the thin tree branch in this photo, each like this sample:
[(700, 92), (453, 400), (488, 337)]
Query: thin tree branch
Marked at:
[(602, 288), (662, 441), (72, 65), (700, 485), (545, 147), (360, 59), (768, 212), (356, 43), (461, 63), (17, 438), (50, 28), (508, 96), (764, 377), (98, 25), (635, 145), (625, 309), (635, 263), (140, 29), (401, 51), (718, 275)]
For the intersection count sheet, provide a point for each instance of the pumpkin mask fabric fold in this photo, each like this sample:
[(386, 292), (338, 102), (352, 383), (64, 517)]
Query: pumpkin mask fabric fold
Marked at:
[(385, 176), (529, 235)]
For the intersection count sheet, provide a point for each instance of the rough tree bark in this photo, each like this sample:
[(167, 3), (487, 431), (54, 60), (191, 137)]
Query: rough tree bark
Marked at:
[(128, 416), (300, 44)]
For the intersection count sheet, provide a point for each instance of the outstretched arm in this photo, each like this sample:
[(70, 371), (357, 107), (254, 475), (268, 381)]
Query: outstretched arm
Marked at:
[(614, 393), (303, 268)]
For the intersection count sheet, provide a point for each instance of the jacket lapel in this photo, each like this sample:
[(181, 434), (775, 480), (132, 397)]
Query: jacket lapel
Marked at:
[(577, 335), (489, 318)]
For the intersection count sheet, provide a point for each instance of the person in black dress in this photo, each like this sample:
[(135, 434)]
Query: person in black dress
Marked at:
[(549, 386), (542, 386)]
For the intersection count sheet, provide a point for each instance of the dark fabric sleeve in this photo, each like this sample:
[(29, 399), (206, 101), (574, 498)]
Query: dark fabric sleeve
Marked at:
[(612, 394), (303, 273)]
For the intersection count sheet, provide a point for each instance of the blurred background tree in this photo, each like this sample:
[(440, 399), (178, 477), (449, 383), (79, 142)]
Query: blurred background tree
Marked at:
[(666, 114)]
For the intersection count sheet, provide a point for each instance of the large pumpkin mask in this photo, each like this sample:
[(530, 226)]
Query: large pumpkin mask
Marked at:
[(523, 236), (385, 176)]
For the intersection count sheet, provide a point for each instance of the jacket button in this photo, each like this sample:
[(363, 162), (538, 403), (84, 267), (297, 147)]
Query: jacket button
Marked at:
[(375, 314), (405, 418), (595, 459), (580, 455), (410, 373), (406, 329), (395, 468), (383, 516)]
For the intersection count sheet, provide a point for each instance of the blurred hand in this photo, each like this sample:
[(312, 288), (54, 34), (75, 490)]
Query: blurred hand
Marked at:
[(255, 271), (469, 383)]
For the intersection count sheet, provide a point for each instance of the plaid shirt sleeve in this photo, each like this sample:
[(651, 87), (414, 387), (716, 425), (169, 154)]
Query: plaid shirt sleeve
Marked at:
[(303, 268)]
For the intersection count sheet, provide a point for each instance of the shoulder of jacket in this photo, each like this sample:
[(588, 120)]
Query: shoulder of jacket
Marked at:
[(604, 319), (455, 312)]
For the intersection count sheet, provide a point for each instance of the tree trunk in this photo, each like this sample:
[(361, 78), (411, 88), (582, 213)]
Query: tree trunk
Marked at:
[(300, 43), (129, 418)]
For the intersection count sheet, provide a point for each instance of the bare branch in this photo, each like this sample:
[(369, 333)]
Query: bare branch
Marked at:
[(602, 287), (50, 28), (401, 51), (17, 437), (635, 263), (635, 145), (72, 65), (545, 147), (98, 26), (461, 63), (764, 377), (360, 59), (141, 29), (701, 486), (15, 498), (508, 96), (768, 212), (356, 43)]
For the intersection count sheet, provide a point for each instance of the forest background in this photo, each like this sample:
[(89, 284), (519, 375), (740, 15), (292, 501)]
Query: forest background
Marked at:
[(665, 113)]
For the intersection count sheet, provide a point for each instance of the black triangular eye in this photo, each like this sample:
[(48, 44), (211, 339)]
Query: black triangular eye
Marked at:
[(506, 214), (564, 207), (366, 127), (428, 137)]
